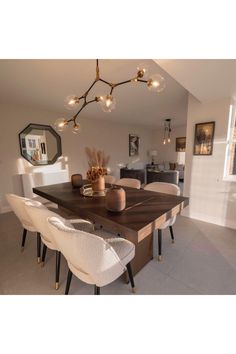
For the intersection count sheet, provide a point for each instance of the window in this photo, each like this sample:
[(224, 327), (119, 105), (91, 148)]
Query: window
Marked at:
[(230, 161)]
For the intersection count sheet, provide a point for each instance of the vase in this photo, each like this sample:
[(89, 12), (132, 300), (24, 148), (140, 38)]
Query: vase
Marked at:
[(115, 199), (99, 184), (77, 180)]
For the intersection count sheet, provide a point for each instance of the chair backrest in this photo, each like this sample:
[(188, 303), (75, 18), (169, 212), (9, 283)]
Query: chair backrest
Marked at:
[(17, 204), (110, 179), (38, 213), (163, 187), (88, 253), (129, 182)]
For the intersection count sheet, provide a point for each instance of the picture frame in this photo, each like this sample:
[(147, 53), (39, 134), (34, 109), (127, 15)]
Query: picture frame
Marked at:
[(180, 145), (134, 141), (204, 138)]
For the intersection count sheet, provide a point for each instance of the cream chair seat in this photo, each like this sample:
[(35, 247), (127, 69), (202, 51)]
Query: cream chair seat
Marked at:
[(17, 205), (167, 188), (91, 258), (38, 214), (129, 182), (109, 179), (123, 248)]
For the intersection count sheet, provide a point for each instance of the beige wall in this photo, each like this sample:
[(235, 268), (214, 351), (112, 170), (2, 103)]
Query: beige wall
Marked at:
[(167, 152), (112, 137), (211, 198)]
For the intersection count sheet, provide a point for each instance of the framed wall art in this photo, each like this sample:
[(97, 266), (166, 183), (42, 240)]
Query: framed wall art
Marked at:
[(203, 139), (180, 145), (133, 145)]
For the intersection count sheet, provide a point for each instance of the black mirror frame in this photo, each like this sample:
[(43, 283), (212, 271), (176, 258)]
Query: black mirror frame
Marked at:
[(32, 126)]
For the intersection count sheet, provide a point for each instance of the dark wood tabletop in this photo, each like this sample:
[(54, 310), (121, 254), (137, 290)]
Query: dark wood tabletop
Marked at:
[(145, 211)]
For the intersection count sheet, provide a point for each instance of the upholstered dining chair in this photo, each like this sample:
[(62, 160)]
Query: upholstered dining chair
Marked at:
[(91, 258), (109, 179), (17, 205), (38, 214), (167, 188), (129, 182)]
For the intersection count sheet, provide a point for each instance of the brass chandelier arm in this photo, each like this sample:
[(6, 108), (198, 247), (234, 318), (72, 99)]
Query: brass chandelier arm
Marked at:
[(141, 80), (123, 82), (97, 70), (87, 92), (126, 82), (76, 115), (105, 82), (83, 106)]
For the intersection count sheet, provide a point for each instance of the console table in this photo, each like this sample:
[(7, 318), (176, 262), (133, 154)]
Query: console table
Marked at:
[(133, 173)]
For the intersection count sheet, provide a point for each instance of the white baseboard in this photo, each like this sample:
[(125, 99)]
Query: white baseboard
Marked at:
[(211, 219)]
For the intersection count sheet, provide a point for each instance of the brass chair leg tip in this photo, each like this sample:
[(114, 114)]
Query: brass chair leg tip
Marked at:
[(39, 260), (133, 290), (159, 258), (56, 286), (42, 264), (22, 249), (173, 241)]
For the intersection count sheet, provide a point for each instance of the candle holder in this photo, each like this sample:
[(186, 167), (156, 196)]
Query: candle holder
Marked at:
[(77, 180)]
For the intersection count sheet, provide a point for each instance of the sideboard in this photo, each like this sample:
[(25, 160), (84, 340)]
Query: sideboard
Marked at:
[(162, 176)]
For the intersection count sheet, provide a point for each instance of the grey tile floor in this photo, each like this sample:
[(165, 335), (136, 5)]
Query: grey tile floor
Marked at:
[(201, 261)]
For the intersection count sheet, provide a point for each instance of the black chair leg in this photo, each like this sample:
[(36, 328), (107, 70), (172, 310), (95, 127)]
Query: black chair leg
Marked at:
[(172, 234), (69, 277), (38, 247), (58, 263), (159, 245), (44, 255), (23, 240), (131, 278), (96, 290)]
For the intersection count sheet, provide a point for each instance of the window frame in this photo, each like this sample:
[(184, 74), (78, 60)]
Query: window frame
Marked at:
[(229, 141)]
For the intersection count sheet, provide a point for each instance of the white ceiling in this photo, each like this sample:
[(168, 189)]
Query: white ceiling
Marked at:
[(209, 79), (46, 83)]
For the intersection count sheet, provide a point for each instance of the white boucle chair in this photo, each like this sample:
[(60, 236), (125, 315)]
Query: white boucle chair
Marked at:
[(38, 214), (167, 188), (91, 258), (17, 205), (109, 179), (129, 182)]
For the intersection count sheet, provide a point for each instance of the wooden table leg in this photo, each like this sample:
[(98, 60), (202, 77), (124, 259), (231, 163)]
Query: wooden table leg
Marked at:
[(143, 254)]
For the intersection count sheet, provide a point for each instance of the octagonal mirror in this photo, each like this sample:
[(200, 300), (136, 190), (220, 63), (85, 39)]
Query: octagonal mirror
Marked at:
[(40, 144)]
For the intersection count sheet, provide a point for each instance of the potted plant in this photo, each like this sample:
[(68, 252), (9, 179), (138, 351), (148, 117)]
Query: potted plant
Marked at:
[(97, 162)]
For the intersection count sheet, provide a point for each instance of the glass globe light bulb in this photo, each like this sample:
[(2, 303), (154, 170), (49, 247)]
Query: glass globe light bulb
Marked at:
[(61, 124), (76, 128), (142, 70), (168, 140), (156, 83), (71, 101), (164, 141), (107, 103)]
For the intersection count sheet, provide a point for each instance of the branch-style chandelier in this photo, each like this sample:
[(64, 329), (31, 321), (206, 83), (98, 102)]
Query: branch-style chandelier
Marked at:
[(167, 131), (107, 102)]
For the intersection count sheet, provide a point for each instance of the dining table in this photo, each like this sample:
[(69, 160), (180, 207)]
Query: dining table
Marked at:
[(144, 213)]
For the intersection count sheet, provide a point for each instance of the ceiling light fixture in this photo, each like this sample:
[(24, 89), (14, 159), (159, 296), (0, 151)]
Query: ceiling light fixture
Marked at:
[(107, 102), (167, 131)]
